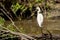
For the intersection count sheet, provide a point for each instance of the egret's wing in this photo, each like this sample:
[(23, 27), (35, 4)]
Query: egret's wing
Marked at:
[(40, 19)]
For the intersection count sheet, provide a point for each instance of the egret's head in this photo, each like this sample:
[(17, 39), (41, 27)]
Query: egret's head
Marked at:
[(38, 9)]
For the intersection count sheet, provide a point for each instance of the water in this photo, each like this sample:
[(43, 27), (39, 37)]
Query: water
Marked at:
[(31, 26)]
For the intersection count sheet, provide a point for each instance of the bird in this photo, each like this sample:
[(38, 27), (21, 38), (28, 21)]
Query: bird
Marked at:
[(40, 17)]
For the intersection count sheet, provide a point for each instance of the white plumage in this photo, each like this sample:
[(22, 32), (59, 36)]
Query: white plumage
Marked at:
[(39, 17)]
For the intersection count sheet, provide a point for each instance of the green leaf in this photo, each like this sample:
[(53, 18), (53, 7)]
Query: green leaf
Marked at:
[(11, 27), (15, 7), (2, 21), (22, 7)]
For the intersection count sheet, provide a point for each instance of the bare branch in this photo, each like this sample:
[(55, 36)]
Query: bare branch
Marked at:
[(16, 33)]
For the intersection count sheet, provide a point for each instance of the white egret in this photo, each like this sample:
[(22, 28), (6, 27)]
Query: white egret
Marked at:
[(39, 17)]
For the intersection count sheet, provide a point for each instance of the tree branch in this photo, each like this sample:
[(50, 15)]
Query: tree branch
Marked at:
[(16, 33), (8, 17)]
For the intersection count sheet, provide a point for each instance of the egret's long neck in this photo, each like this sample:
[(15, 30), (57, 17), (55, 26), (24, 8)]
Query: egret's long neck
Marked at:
[(39, 12)]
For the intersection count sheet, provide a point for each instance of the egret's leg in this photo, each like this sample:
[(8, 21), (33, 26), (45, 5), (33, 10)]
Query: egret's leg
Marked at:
[(49, 33), (41, 30), (48, 30)]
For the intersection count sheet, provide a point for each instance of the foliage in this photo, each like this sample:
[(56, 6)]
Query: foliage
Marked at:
[(23, 5), (15, 7), (2, 21), (48, 4), (11, 27)]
